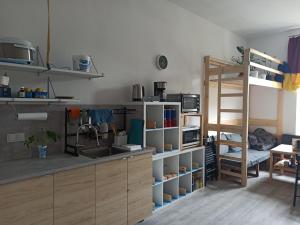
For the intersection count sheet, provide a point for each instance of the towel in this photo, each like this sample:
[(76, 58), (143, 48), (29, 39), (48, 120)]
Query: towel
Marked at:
[(136, 132), (99, 116), (74, 113)]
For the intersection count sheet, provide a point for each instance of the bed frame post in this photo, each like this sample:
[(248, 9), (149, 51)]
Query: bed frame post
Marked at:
[(279, 128), (245, 117), (206, 96)]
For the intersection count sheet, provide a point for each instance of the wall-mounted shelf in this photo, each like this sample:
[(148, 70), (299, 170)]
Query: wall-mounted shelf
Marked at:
[(45, 71), (37, 100)]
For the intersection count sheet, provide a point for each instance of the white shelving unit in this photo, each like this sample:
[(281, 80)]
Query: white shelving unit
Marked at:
[(167, 162), (45, 71)]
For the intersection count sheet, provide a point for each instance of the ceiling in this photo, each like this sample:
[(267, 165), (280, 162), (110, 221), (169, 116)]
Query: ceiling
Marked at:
[(248, 18)]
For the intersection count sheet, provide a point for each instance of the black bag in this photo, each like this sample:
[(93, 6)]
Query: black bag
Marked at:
[(261, 140)]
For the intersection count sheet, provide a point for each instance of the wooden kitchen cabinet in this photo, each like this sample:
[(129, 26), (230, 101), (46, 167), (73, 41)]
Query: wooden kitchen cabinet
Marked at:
[(139, 188), (74, 197), (27, 202), (111, 193)]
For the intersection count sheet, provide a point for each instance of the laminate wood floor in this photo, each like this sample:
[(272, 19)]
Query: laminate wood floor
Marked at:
[(226, 203)]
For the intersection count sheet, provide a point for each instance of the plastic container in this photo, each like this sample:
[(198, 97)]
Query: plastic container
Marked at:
[(22, 93), (42, 151)]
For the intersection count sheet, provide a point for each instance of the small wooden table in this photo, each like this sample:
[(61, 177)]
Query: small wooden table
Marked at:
[(281, 150)]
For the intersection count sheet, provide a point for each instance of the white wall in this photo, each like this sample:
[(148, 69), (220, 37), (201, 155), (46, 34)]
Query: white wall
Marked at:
[(124, 36), (275, 45)]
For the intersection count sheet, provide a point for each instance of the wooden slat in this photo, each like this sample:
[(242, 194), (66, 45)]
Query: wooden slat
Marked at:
[(263, 122), (253, 51), (206, 95), (231, 110), (256, 65), (212, 127), (279, 128), (214, 71), (230, 158), (240, 78), (264, 83), (232, 69), (229, 173), (231, 143), (231, 128), (245, 119), (235, 86), (226, 128), (226, 70), (219, 62), (219, 121), (232, 95)]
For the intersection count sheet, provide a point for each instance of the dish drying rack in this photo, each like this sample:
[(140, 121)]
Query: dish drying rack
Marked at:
[(73, 149)]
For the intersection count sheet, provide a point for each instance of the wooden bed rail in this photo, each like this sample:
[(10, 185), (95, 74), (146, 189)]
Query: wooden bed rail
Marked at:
[(265, 56), (252, 122)]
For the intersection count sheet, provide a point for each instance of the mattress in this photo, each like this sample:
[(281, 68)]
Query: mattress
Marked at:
[(254, 157)]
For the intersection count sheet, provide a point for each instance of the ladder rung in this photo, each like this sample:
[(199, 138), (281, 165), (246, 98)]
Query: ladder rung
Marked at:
[(232, 95), (231, 143), (231, 79), (231, 110), (229, 173), (237, 129), (230, 158)]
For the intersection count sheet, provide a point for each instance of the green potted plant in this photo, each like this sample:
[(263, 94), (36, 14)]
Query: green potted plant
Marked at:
[(240, 60), (41, 139)]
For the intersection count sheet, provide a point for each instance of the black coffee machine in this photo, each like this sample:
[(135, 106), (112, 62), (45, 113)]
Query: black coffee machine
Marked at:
[(160, 90)]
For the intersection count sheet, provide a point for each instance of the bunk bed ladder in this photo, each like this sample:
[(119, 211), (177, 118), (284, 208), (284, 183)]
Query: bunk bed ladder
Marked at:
[(240, 128)]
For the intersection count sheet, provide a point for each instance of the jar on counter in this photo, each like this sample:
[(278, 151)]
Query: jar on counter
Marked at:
[(38, 93), (21, 93), (28, 93), (44, 94)]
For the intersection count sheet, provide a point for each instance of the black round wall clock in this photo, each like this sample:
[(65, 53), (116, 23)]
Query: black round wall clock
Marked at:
[(161, 62)]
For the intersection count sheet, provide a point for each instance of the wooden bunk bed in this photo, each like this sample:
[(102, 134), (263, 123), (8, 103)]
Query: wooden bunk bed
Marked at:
[(217, 74)]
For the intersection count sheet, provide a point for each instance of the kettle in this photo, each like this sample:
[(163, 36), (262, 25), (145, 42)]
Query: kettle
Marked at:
[(138, 92)]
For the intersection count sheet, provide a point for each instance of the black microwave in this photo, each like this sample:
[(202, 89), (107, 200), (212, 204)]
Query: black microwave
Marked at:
[(189, 102)]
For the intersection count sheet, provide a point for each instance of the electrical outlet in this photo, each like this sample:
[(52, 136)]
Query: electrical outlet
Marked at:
[(17, 137)]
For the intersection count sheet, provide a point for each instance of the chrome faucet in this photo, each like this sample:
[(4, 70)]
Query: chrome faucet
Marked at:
[(90, 126)]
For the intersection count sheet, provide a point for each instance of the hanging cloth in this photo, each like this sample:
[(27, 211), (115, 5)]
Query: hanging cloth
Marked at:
[(292, 79)]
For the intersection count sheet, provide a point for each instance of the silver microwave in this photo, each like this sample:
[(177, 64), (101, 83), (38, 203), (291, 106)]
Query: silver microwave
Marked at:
[(190, 136), (189, 102)]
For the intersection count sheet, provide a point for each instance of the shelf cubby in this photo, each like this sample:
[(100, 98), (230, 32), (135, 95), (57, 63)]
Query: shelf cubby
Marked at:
[(197, 180), (171, 136), (177, 111), (153, 139), (171, 166), (171, 188), (185, 160), (157, 194), (157, 170), (186, 183), (155, 113), (198, 159)]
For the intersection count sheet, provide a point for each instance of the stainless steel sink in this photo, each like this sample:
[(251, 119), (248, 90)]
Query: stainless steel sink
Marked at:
[(95, 153)]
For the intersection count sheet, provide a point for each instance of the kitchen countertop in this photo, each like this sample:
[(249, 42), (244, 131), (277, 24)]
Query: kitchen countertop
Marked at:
[(17, 170)]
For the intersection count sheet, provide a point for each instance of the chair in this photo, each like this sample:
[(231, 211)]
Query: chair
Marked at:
[(296, 180)]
